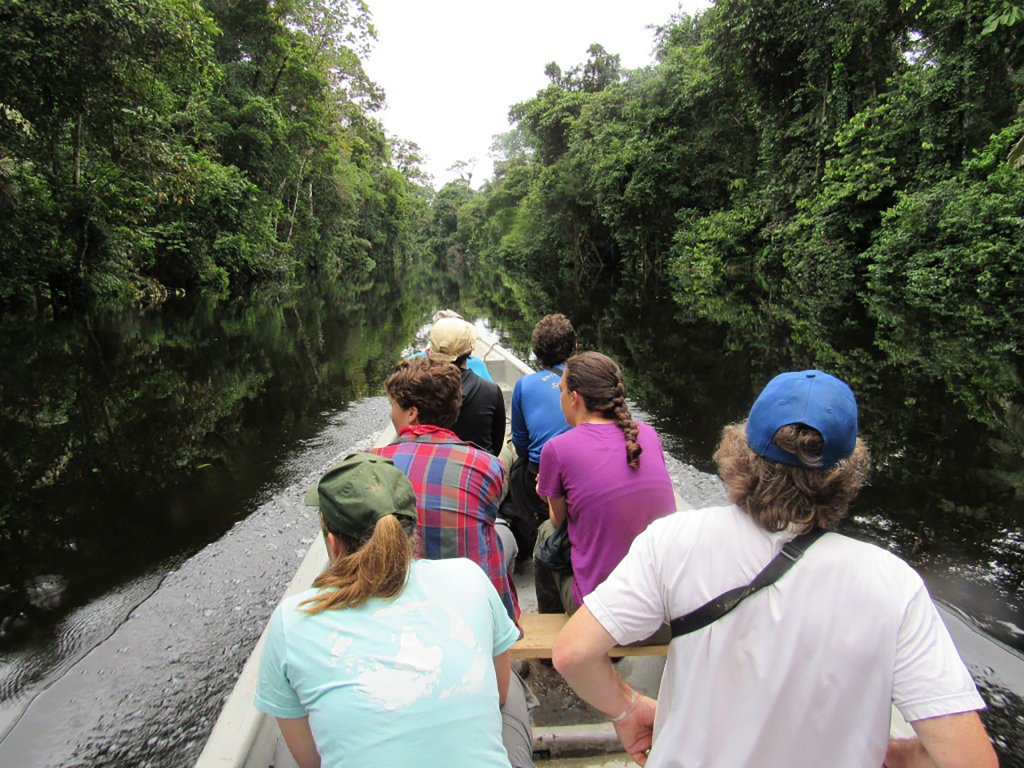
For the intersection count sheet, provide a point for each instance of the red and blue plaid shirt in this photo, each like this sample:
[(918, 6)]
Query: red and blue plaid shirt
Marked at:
[(458, 488)]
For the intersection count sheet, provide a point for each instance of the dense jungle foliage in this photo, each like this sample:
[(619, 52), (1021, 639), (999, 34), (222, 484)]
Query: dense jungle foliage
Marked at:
[(148, 145), (836, 184)]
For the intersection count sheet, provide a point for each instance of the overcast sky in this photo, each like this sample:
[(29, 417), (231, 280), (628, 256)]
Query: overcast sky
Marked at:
[(452, 68)]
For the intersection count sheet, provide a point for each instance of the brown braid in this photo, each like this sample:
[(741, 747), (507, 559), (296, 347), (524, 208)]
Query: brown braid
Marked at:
[(598, 380)]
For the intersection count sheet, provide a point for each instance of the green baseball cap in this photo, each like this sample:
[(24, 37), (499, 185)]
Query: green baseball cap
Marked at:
[(353, 495)]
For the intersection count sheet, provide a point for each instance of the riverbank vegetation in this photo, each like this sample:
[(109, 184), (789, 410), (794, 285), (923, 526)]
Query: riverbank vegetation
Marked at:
[(830, 184), (155, 145)]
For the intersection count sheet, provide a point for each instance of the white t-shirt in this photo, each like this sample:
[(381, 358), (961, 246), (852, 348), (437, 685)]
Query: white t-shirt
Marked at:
[(801, 673)]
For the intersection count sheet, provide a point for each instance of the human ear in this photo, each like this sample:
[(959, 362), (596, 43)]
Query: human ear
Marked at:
[(334, 546)]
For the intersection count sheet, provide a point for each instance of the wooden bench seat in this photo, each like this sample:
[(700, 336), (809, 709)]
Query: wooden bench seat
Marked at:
[(541, 628)]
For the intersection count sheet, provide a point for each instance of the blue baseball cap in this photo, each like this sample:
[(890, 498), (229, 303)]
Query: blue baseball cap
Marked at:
[(813, 398)]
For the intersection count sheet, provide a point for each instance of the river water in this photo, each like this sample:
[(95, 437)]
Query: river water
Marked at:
[(153, 462)]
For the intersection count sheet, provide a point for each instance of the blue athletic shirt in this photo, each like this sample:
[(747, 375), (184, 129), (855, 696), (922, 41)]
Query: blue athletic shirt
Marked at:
[(537, 412), (406, 681)]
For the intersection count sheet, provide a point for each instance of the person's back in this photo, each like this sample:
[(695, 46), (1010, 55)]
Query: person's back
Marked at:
[(536, 414), (409, 673), (481, 416), (609, 503), (536, 417), (385, 658), (605, 478), (457, 486), (805, 672)]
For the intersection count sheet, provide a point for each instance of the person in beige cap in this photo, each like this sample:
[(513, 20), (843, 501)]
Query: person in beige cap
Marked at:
[(474, 363), (481, 418)]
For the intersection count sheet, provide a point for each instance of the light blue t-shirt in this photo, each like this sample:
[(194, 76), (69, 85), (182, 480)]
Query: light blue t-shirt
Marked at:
[(407, 681), (473, 363)]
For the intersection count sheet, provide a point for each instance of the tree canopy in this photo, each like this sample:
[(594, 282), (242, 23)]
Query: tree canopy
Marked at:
[(152, 143)]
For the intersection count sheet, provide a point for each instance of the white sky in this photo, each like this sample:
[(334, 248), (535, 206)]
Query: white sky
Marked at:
[(452, 68)]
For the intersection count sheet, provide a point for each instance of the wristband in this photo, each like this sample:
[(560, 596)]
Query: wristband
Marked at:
[(627, 711)]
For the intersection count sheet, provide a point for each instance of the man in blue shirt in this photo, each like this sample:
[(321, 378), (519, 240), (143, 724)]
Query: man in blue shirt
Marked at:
[(536, 418)]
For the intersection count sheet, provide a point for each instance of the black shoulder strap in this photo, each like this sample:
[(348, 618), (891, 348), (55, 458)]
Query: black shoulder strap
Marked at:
[(717, 607)]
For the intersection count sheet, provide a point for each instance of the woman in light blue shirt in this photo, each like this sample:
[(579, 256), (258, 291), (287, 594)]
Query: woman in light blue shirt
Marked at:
[(388, 660)]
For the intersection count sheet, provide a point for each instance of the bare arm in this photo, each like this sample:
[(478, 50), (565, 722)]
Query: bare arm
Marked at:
[(299, 739), (952, 741), (580, 654), (558, 510), (503, 671)]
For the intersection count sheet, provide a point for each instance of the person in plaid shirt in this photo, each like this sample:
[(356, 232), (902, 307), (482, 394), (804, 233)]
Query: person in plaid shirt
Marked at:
[(458, 487)]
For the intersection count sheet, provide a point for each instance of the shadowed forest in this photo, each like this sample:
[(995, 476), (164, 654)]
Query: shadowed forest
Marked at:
[(149, 146)]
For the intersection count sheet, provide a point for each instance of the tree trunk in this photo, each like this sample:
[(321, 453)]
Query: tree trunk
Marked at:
[(295, 201), (1016, 157), (77, 173), (277, 78)]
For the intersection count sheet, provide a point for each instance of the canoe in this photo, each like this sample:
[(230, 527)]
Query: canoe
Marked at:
[(245, 738)]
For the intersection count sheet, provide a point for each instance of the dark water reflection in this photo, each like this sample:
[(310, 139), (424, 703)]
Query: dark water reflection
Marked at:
[(129, 439)]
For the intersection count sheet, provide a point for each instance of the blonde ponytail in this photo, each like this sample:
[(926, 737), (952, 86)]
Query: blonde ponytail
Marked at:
[(376, 567)]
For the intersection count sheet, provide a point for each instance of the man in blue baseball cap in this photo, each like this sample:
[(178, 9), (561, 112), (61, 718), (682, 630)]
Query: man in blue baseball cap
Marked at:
[(790, 645)]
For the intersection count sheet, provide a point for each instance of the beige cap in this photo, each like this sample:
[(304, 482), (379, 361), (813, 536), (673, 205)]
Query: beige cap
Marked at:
[(451, 338), (445, 313)]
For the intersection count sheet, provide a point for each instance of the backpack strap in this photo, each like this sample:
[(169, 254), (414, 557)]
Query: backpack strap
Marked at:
[(719, 606)]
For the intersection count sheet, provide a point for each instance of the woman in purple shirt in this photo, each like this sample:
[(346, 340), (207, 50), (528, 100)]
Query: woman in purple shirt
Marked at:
[(606, 475)]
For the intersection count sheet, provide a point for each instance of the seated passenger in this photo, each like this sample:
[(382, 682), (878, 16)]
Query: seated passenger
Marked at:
[(457, 486), (803, 672), (536, 418), (606, 476), (389, 660), (481, 418), (474, 363)]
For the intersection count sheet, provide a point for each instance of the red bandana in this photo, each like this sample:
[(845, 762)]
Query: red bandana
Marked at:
[(426, 429)]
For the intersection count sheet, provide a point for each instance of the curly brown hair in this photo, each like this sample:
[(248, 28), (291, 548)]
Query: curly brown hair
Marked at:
[(598, 380), (777, 495), (554, 339), (433, 386)]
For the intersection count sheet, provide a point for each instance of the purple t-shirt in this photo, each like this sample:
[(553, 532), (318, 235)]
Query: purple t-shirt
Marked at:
[(609, 503)]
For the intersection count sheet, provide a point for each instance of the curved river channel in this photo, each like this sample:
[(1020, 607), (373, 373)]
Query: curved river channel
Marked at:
[(153, 463)]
